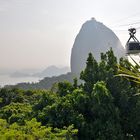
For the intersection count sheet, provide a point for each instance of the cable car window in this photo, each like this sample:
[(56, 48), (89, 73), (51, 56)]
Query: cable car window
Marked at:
[(134, 46)]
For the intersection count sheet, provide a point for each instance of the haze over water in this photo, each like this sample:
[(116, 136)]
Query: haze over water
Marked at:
[(7, 80)]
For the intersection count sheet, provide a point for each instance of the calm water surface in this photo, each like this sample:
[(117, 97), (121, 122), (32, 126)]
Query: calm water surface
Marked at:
[(7, 80)]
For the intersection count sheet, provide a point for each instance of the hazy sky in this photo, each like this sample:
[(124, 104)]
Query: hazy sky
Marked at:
[(39, 33)]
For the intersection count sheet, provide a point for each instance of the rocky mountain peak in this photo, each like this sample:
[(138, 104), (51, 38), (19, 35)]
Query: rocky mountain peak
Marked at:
[(93, 37)]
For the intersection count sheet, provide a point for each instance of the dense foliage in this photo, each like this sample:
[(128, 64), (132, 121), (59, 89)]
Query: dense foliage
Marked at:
[(132, 73), (102, 107)]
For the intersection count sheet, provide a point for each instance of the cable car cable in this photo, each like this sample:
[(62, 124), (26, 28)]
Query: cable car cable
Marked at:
[(125, 18), (129, 24)]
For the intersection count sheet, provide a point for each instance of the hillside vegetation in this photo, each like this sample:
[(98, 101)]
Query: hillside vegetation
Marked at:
[(103, 107), (45, 83)]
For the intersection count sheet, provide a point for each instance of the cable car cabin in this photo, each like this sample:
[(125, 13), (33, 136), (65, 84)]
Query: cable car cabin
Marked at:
[(133, 47)]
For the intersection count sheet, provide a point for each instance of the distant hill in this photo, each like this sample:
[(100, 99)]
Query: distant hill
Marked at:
[(48, 72), (46, 83), (52, 71)]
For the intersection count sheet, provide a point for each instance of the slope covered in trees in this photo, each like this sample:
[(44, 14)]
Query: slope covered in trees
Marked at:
[(45, 83), (103, 107)]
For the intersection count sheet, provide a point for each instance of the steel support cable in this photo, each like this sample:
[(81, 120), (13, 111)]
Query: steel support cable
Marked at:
[(125, 18), (130, 24)]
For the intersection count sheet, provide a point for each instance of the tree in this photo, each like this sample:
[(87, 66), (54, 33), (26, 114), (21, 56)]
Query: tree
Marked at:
[(16, 112), (64, 88), (130, 72), (103, 107), (90, 74), (105, 121), (75, 83), (32, 130)]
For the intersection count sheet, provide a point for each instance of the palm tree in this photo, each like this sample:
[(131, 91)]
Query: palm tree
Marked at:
[(133, 73)]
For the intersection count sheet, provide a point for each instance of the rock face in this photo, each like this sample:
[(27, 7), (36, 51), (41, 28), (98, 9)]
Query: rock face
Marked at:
[(93, 37)]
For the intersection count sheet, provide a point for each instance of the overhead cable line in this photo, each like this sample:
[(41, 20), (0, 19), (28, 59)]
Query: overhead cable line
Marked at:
[(129, 24), (125, 18), (126, 25), (138, 28)]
